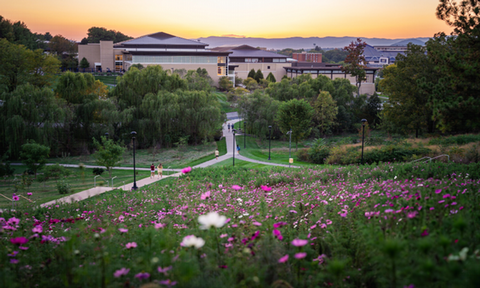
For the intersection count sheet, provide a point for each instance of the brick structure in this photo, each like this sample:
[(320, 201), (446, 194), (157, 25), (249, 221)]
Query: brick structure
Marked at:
[(308, 57)]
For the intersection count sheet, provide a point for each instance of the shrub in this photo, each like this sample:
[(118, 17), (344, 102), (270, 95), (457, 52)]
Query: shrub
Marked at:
[(98, 171), (63, 187), (302, 155), (319, 152)]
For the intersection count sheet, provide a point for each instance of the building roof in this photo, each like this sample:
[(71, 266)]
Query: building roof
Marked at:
[(370, 52), (246, 51), (161, 40)]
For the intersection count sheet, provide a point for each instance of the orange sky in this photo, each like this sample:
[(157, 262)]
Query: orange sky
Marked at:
[(251, 18)]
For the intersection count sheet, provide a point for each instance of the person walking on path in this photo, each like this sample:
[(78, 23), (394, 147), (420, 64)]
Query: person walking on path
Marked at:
[(160, 170), (216, 153), (238, 149), (228, 127), (232, 127), (152, 171)]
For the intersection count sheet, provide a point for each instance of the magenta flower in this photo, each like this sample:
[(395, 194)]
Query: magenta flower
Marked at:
[(424, 233), (266, 188), (121, 272), (278, 234), (164, 270), (279, 224), (167, 282), (438, 191), (15, 198), (142, 276), (29, 194), (236, 187), (257, 223), (122, 230), (159, 225), (13, 261), (299, 242), (283, 259), (412, 214), (205, 195), (131, 245), (19, 240), (300, 255), (37, 229), (185, 171), (329, 222)]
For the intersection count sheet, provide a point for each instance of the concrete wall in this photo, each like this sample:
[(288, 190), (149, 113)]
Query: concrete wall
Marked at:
[(98, 53), (91, 52), (107, 55), (275, 68)]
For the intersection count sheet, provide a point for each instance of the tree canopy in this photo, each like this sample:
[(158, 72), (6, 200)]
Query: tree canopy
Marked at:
[(97, 34)]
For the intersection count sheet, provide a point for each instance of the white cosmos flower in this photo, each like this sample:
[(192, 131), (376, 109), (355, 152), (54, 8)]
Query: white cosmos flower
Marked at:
[(192, 241), (211, 219)]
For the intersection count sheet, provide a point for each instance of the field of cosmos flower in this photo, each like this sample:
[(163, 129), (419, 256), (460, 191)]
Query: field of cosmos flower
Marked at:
[(385, 225)]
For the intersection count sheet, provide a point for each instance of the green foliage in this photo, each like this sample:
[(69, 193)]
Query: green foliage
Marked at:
[(251, 74), (55, 171), (5, 168), (34, 155), (271, 78), (259, 110), (97, 34), (84, 63), (137, 65), (63, 187), (225, 84), (108, 153), (18, 33), (297, 116), (319, 152), (250, 83), (98, 171), (458, 139), (258, 75), (59, 45), (326, 111), (354, 62)]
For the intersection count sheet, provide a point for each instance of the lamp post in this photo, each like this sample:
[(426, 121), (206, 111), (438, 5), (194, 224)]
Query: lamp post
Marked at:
[(244, 134), (269, 141), (234, 146), (289, 147), (133, 133), (106, 135), (363, 135)]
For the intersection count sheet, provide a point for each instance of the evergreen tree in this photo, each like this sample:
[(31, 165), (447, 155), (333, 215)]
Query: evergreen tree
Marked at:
[(84, 64), (271, 78), (251, 74), (258, 76)]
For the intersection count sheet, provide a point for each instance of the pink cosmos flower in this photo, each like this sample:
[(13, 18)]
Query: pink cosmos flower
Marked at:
[(15, 198), (424, 233), (236, 187), (159, 225), (131, 245), (257, 223), (300, 255), (13, 261), (320, 259), (164, 270), (279, 224), (412, 214), (329, 222), (37, 229), (123, 230), (438, 191), (223, 235), (185, 171), (23, 248), (121, 272), (29, 194), (142, 276), (205, 195), (167, 282), (266, 188), (283, 259), (278, 234), (19, 240), (299, 242), (323, 226)]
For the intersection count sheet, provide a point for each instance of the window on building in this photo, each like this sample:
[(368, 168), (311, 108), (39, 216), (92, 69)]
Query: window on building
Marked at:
[(118, 57), (221, 71), (268, 67), (251, 60), (221, 59)]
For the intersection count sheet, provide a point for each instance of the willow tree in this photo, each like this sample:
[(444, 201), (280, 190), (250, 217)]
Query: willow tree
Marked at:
[(295, 115), (28, 112)]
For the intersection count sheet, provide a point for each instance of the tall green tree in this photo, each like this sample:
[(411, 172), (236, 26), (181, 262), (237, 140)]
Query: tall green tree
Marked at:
[(251, 74), (108, 153), (97, 34), (84, 64), (258, 75), (326, 111), (60, 45), (34, 155), (271, 78), (296, 115), (355, 62)]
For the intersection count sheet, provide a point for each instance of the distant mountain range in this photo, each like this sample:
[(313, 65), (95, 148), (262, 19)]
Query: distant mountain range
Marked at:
[(305, 43)]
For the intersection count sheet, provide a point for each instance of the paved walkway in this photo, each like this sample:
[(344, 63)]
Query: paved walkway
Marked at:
[(231, 148)]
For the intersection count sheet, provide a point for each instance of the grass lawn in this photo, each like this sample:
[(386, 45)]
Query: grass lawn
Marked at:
[(47, 191), (278, 154), (107, 79), (239, 163), (170, 158)]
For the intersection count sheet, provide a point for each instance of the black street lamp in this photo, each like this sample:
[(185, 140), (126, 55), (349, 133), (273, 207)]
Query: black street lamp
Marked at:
[(133, 133), (289, 147), (244, 134), (234, 146), (363, 135), (269, 141)]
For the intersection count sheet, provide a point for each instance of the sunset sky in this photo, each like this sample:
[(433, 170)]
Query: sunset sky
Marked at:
[(249, 18)]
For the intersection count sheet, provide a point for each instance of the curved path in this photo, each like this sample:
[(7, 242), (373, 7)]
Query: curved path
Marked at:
[(146, 181)]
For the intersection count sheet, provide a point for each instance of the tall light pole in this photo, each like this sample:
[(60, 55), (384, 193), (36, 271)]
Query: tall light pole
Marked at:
[(244, 134), (289, 147), (363, 135), (133, 133), (233, 142), (269, 141)]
